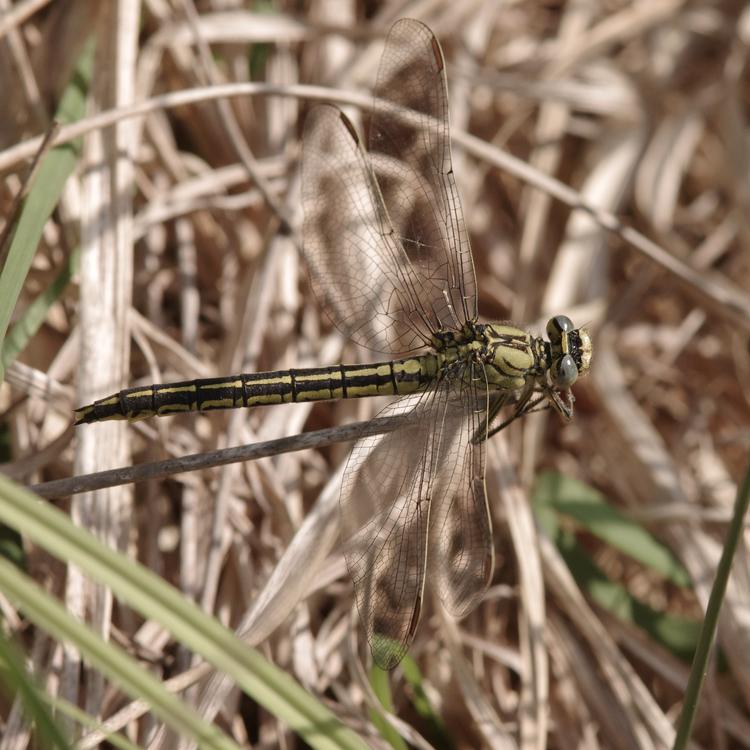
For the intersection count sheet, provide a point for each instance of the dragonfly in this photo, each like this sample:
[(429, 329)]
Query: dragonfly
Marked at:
[(389, 258)]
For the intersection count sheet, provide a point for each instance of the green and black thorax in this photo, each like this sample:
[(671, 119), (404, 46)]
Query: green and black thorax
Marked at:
[(512, 357)]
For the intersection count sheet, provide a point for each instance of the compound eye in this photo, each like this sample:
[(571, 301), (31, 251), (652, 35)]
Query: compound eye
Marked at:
[(557, 326), (565, 372)]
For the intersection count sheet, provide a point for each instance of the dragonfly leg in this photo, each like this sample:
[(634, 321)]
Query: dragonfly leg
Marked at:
[(563, 404), (496, 403), (528, 406)]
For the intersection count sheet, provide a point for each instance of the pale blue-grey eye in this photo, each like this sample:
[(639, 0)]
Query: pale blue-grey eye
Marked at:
[(565, 372), (557, 326)]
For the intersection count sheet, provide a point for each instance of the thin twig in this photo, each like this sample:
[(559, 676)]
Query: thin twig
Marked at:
[(198, 461), (19, 13)]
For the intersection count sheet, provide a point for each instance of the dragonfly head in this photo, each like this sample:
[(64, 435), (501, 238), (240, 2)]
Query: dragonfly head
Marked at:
[(570, 351)]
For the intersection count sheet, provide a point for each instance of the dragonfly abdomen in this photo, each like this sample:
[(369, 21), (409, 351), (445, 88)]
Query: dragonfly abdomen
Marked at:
[(397, 377)]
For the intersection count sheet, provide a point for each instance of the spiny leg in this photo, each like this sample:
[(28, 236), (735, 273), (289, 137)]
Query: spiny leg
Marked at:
[(528, 406), (562, 405), (497, 402)]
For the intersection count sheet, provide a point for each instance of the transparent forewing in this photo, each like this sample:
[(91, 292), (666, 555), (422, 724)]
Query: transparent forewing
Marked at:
[(411, 157), (401, 488), (461, 553), (359, 270)]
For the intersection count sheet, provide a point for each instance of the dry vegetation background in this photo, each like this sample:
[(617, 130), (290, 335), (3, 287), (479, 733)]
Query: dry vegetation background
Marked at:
[(640, 108)]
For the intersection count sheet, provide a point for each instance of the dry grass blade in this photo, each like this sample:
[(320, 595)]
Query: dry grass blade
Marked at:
[(15, 17), (535, 674)]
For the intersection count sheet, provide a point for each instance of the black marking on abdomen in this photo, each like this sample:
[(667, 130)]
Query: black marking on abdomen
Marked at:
[(393, 377), (342, 370), (135, 401)]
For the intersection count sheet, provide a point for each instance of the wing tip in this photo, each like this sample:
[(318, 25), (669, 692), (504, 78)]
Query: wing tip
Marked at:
[(387, 652)]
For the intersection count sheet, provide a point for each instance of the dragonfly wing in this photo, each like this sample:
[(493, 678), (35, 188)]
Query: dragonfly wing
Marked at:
[(387, 491), (420, 487), (461, 551), (411, 158), (359, 269)]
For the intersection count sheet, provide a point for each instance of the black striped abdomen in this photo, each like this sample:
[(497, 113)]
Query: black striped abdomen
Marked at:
[(259, 389)]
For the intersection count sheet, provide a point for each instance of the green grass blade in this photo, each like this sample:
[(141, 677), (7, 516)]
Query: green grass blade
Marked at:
[(708, 630), (589, 508), (15, 681), (48, 614), (438, 733), (34, 315), (677, 634), (155, 599), (43, 196), (555, 498), (381, 686)]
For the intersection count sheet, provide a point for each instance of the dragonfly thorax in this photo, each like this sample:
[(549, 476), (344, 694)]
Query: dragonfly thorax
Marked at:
[(509, 356), (512, 357)]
